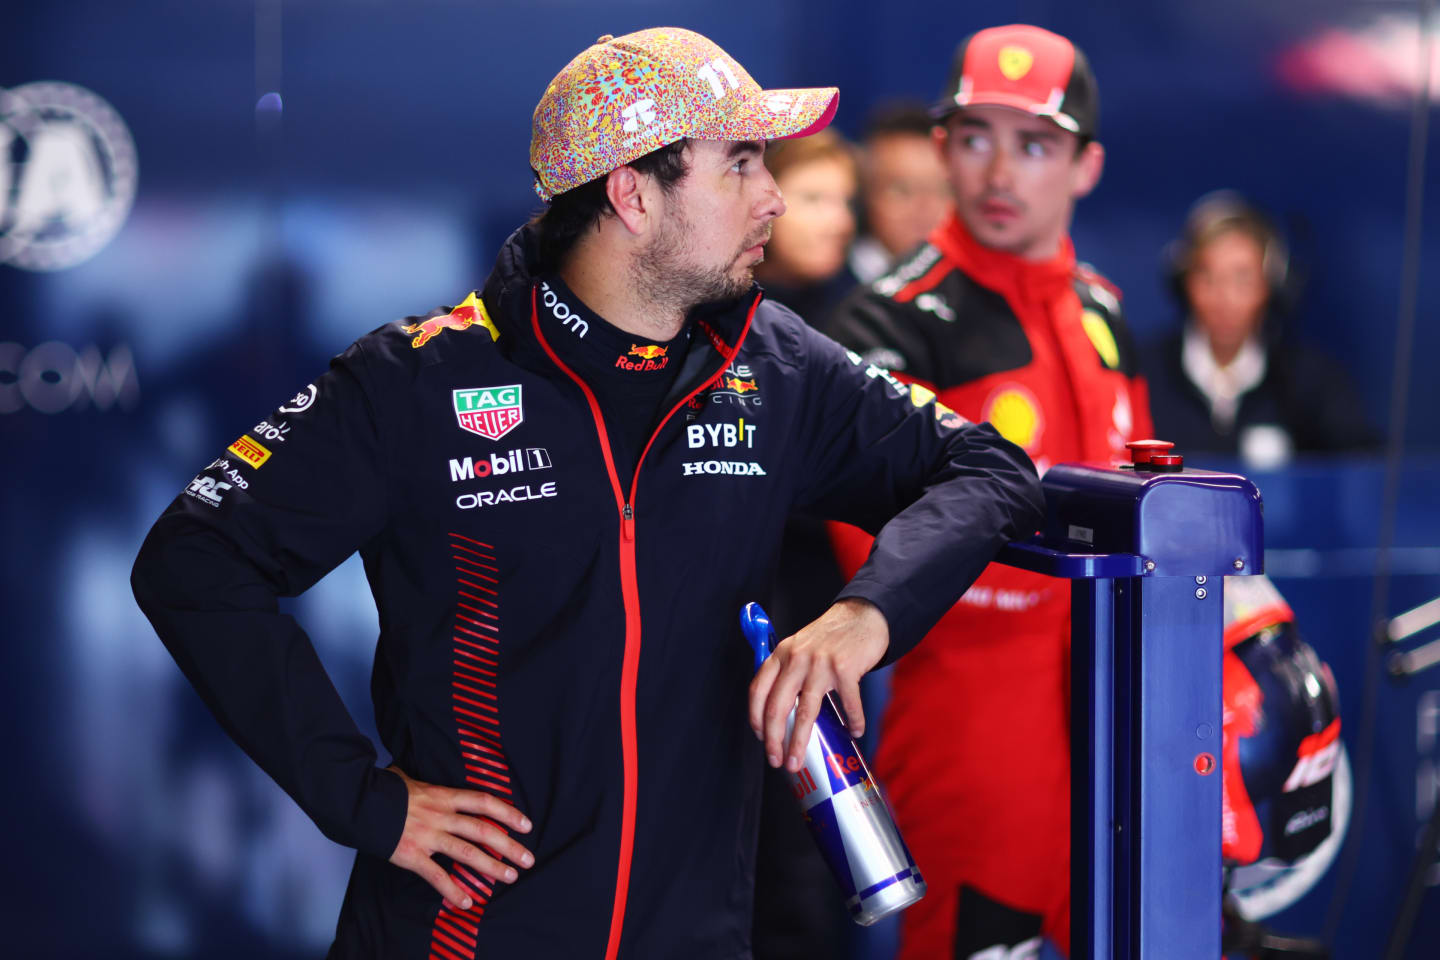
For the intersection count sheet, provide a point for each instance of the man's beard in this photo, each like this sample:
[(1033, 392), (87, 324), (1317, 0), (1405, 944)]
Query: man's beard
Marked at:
[(664, 274)]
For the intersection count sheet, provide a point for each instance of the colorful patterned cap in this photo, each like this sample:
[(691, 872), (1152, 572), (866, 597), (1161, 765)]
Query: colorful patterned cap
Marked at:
[(626, 96), (1028, 69)]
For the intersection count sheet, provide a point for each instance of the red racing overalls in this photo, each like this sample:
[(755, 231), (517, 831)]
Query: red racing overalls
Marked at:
[(974, 746)]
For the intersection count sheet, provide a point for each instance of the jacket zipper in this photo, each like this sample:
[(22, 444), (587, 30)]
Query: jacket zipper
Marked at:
[(630, 596)]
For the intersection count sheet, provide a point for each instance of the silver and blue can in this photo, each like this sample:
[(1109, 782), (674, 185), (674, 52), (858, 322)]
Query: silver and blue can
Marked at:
[(848, 817)]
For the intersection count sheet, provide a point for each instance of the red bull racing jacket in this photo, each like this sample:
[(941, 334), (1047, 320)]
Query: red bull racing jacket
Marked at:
[(549, 632)]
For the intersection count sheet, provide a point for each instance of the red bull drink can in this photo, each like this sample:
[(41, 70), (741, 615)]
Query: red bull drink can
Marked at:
[(842, 805)]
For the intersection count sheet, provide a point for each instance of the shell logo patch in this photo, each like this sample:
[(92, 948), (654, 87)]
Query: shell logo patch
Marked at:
[(1015, 62), (920, 395), (1101, 336), (1014, 411)]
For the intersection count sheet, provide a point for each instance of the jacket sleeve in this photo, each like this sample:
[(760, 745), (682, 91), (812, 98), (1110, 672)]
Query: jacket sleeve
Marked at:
[(941, 494), (282, 506)]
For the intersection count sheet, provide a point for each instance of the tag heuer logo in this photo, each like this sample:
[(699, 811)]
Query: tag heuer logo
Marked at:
[(491, 412)]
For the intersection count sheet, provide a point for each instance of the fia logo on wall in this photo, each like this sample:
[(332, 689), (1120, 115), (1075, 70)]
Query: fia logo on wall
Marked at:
[(67, 175)]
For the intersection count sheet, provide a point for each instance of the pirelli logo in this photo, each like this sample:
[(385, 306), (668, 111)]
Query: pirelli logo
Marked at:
[(251, 451)]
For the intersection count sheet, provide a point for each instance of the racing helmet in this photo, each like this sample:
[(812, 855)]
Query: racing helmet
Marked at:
[(1281, 730)]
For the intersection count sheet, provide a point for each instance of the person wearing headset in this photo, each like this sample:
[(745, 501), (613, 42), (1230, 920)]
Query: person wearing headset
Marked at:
[(1232, 381)]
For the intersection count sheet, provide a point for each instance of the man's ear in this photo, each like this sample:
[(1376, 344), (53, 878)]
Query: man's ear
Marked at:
[(624, 188), (1088, 167), (940, 136)]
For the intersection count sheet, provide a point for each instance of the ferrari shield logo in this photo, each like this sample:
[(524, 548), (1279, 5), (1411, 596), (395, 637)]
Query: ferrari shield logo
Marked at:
[(1015, 62), (490, 412)]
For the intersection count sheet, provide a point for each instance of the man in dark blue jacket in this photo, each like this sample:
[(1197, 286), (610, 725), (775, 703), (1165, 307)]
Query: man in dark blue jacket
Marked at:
[(563, 489)]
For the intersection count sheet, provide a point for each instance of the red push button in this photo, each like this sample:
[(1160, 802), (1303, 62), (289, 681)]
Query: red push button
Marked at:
[(1141, 451)]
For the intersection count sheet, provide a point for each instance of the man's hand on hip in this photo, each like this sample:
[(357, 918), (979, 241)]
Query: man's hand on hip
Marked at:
[(464, 826), (832, 653)]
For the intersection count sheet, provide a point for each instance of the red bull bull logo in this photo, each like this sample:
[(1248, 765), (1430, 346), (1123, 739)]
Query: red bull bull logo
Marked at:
[(462, 317), (740, 386), (652, 357)]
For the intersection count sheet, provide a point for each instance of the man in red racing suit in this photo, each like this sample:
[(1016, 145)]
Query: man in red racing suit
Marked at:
[(995, 315)]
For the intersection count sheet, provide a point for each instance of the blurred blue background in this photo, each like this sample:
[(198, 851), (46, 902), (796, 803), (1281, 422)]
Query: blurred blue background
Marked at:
[(311, 169)]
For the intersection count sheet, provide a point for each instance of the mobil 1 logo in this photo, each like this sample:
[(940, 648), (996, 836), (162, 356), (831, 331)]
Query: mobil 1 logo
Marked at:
[(497, 464)]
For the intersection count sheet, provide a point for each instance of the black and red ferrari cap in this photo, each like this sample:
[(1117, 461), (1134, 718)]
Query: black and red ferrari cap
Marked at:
[(1026, 68)]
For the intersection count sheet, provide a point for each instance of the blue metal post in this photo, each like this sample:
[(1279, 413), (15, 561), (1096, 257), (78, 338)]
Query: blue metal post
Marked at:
[(1148, 551), (1092, 613), (1177, 794)]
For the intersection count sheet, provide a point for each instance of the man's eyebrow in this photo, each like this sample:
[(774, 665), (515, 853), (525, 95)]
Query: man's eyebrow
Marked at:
[(974, 122), (743, 146), (1040, 134)]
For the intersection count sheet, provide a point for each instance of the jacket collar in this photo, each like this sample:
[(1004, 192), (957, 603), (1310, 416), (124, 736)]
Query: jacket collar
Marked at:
[(1006, 273), (516, 271)]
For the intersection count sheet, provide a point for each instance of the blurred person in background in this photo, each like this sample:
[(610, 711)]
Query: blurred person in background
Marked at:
[(804, 266), (995, 315), (904, 189), (479, 459), (1234, 381)]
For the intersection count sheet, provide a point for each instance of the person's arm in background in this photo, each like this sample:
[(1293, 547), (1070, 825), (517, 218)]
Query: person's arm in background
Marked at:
[(942, 496), (259, 524), (861, 324)]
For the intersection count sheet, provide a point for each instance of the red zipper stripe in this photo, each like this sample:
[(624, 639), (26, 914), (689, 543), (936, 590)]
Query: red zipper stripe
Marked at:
[(487, 773), (471, 876), (470, 568), (468, 689), (630, 596), (478, 566), (471, 643), (447, 952), (449, 939), (489, 785), (478, 746), (456, 920), (456, 932), (476, 586), (473, 703), (453, 937)]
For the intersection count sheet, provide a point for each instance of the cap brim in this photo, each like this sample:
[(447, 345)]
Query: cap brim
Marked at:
[(1024, 104), (775, 115)]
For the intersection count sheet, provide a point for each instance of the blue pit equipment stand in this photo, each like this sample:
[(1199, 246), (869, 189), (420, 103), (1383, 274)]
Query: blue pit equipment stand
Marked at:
[(1147, 547)]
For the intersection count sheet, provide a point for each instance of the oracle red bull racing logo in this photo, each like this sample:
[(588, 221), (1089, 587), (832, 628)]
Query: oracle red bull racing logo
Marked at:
[(651, 357), (490, 412), (470, 312)]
